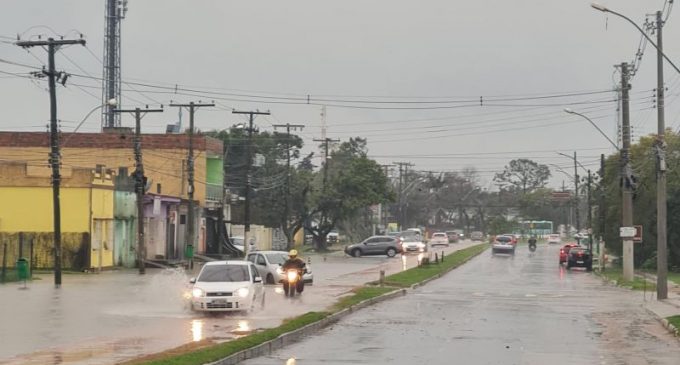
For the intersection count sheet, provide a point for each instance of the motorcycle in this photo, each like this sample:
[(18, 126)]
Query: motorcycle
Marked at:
[(532, 246), (292, 282)]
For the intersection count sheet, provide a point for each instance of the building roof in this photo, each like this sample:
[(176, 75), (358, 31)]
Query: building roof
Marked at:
[(112, 140)]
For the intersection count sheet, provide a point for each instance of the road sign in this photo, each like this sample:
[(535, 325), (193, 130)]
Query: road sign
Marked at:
[(561, 196), (627, 232), (638, 234)]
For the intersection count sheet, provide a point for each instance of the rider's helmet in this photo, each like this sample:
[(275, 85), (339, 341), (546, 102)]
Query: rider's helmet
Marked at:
[(292, 254)]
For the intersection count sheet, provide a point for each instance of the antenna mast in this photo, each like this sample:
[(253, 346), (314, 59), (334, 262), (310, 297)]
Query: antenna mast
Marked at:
[(111, 83)]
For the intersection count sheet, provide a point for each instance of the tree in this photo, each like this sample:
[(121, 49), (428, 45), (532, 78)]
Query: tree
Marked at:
[(354, 182), (523, 175)]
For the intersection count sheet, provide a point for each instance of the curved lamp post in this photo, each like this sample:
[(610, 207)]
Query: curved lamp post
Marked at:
[(110, 102), (569, 111), (605, 9)]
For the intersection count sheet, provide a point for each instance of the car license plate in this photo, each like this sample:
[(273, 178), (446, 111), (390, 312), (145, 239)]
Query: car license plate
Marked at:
[(579, 262), (219, 301)]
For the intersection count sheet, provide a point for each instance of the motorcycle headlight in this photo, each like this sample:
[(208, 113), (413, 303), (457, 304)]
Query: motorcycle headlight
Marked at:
[(243, 292), (292, 275), (197, 292)]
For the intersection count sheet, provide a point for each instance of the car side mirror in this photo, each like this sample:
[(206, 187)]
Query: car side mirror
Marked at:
[(257, 279), (192, 280)]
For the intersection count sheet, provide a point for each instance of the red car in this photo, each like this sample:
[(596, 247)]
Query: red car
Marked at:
[(564, 252)]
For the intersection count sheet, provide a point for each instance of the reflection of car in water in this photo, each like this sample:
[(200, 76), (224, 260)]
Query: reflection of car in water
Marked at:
[(269, 263), (227, 286), (503, 244)]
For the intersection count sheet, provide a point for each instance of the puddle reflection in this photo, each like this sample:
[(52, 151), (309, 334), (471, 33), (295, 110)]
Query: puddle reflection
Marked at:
[(291, 361), (197, 330)]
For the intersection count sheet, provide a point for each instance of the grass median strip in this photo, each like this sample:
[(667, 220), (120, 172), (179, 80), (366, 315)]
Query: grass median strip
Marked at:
[(419, 274), (675, 321), (212, 353)]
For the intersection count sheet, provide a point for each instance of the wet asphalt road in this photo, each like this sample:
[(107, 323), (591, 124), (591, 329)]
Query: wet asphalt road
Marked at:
[(497, 310), (116, 316)]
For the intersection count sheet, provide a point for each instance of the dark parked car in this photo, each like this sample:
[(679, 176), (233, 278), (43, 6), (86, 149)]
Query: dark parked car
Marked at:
[(580, 257), (452, 236), (375, 245)]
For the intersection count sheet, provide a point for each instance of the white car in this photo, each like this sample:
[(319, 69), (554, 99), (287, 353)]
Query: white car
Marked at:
[(503, 244), (554, 239), (227, 286), (439, 238), (269, 263)]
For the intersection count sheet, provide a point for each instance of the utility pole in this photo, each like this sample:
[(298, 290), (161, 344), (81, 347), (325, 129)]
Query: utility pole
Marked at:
[(661, 204), (288, 127), (576, 198), (590, 214), (246, 193), (403, 169), (190, 233), (54, 160), (382, 215), (601, 208), (626, 177), (139, 180), (326, 141)]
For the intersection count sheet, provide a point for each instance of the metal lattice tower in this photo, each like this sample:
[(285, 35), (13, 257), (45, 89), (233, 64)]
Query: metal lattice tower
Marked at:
[(111, 83)]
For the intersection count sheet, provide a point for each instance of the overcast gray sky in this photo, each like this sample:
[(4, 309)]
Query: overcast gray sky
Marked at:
[(407, 75)]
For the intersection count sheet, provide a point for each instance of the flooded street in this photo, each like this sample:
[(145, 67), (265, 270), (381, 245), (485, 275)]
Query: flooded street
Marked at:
[(118, 315), (502, 309)]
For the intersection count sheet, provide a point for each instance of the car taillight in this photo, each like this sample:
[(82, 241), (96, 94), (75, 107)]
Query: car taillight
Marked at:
[(561, 251)]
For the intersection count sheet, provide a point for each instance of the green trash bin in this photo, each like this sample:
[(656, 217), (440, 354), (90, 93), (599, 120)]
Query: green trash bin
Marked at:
[(22, 269), (189, 251)]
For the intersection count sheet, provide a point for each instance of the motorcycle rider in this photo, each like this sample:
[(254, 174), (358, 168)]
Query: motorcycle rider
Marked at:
[(532, 242), (294, 262)]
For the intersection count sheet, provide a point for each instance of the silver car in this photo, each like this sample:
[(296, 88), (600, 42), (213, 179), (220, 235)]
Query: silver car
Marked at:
[(503, 244), (269, 263)]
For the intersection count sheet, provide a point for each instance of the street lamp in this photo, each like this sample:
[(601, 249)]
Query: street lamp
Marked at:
[(567, 110), (605, 9), (110, 102), (661, 203)]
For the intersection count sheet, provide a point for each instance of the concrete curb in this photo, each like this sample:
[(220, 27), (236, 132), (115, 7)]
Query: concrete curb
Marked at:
[(664, 322), (291, 337)]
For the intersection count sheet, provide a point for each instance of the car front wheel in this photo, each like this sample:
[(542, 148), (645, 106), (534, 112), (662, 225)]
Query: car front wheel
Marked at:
[(391, 252), (356, 253)]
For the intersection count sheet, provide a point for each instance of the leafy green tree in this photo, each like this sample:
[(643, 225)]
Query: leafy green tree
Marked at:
[(523, 175), (353, 183)]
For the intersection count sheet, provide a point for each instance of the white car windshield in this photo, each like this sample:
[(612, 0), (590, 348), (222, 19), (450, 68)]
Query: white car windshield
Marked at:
[(276, 258), (220, 273)]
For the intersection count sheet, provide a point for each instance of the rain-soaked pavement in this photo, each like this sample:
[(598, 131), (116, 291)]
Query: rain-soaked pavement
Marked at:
[(496, 310), (116, 316)]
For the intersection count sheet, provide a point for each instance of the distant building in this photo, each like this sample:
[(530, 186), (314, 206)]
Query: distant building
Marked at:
[(165, 166)]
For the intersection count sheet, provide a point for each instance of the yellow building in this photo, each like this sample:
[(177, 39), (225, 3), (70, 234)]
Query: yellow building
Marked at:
[(166, 168), (26, 217)]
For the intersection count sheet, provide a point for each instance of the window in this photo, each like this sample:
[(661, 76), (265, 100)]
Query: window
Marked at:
[(183, 219), (261, 261), (251, 257), (222, 273)]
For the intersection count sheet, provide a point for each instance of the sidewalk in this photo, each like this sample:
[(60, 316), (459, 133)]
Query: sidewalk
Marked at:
[(665, 308)]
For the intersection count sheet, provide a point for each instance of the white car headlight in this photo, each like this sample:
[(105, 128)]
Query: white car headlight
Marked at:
[(197, 292), (243, 292), (279, 270)]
